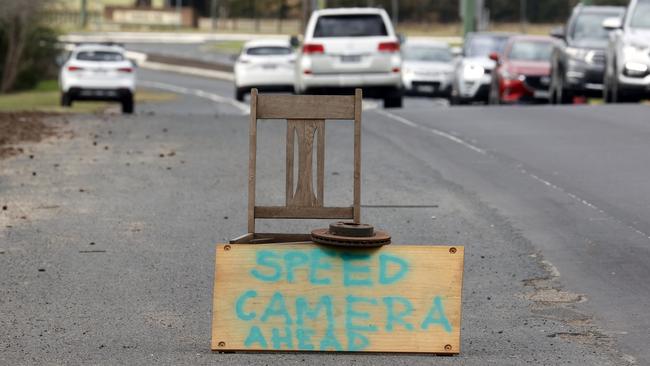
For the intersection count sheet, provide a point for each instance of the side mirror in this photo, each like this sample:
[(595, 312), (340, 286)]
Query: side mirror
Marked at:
[(557, 32), (60, 60), (294, 41), (457, 51), (612, 24), (234, 57), (494, 57), (134, 63), (401, 38)]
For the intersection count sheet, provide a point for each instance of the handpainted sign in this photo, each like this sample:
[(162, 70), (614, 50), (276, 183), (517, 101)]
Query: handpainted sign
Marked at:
[(307, 297)]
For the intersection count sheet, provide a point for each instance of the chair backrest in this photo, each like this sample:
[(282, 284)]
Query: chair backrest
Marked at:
[(306, 116)]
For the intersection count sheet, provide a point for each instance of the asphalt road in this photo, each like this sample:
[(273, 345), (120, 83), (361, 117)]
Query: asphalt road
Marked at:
[(106, 254)]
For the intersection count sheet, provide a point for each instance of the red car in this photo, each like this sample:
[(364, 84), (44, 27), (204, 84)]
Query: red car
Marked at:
[(523, 72)]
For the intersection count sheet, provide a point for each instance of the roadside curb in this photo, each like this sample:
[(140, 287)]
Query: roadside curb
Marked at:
[(143, 61)]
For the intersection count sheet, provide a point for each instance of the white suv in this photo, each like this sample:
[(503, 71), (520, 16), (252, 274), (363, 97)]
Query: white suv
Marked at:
[(351, 48), (98, 72), (627, 74)]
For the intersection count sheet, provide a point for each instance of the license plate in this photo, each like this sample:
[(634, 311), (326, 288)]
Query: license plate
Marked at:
[(426, 88), (541, 94), (269, 66), (350, 58)]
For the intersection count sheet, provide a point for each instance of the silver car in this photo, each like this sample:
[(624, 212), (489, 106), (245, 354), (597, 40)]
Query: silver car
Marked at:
[(427, 68), (473, 73), (627, 74)]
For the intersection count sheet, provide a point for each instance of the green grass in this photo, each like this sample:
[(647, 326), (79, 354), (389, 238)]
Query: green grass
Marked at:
[(227, 47), (45, 97)]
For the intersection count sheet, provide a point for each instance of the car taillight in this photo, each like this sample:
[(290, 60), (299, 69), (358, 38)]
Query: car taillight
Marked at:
[(313, 48), (389, 47), (125, 69), (74, 68), (395, 69)]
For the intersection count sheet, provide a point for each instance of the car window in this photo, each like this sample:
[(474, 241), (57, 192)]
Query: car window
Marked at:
[(360, 25), (590, 26), (266, 51), (482, 46), (424, 53), (530, 51), (641, 15), (99, 56)]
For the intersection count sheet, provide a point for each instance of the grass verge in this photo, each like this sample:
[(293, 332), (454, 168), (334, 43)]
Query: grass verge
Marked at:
[(46, 96)]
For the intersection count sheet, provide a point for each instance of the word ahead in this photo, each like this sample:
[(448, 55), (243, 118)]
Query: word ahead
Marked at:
[(306, 297)]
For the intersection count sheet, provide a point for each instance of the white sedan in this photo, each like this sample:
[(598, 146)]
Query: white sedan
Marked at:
[(427, 68), (267, 65), (98, 72)]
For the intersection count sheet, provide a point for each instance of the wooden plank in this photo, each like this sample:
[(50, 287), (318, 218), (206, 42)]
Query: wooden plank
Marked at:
[(257, 238), (358, 96), (304, 195), (252, 161), (291, 150), (271, 106), (284, 237), (246, 238), (306, 297), (281, 212), (320, 165)]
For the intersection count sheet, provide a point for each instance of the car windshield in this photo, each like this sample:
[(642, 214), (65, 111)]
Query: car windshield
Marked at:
[(641, 15), (530, 51), (99, 56), (482, 46), (590, 26), (268, 51), (361, 25), (424, 53)]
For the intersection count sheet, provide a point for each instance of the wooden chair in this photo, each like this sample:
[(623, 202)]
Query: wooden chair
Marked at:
[(306, 116)]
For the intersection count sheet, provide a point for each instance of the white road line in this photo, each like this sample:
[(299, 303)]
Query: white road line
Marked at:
[(242, 107), (432, 130), (523, 171)]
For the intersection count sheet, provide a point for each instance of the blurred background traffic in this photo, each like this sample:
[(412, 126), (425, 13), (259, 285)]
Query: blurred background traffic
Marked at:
[(462, 51)]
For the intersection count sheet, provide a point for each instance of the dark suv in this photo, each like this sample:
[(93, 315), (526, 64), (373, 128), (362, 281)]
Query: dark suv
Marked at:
[(578, 63)]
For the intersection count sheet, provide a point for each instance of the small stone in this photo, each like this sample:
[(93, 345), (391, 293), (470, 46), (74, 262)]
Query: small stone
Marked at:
[(33, 174), (31, 156), (4, 208), (41, 269)]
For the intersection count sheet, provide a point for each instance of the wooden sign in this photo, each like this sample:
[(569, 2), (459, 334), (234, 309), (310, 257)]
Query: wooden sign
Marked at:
[(307, 297)]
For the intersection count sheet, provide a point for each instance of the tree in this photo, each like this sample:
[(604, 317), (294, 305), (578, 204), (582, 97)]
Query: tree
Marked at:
[(18, 19)]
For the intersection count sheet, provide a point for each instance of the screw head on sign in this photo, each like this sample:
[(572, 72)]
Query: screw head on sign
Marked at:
[(226, 248), (222, 344), (452, 250), (447, 347)]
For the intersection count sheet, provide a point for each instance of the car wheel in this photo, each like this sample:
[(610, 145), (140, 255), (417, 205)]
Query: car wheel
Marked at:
[(494, 97), (562, 95), (553, 86), (128, 104), (239, 94), (394, 100), (66, 99)]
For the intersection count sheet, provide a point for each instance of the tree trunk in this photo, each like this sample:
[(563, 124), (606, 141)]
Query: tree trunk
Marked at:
[(15, 46)]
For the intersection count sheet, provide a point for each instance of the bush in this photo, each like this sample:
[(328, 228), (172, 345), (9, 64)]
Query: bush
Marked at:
[(38, 61)]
